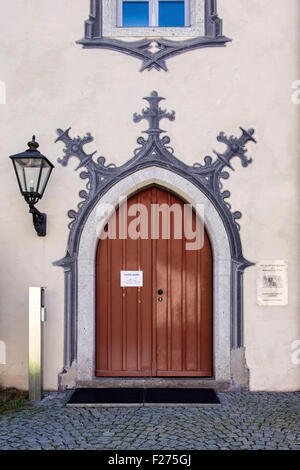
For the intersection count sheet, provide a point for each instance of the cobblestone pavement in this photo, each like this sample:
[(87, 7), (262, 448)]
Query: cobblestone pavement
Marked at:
[(243, 421)]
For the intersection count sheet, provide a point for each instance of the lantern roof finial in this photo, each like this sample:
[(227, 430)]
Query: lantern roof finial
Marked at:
[(33, 145)]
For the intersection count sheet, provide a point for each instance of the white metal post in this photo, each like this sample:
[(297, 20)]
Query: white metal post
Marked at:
[(36, 313)]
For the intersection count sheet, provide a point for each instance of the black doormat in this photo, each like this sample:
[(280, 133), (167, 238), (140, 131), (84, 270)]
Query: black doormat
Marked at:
[(96, 396), (181, 395), (144, 396)]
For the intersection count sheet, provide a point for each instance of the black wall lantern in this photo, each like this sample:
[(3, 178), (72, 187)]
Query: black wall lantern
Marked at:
[(33, 171)]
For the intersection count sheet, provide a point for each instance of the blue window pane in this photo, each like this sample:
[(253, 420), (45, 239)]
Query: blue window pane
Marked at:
[(171, 13), (135, 13)]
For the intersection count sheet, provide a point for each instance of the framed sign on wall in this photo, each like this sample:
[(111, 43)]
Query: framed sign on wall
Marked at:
[(272, 283)]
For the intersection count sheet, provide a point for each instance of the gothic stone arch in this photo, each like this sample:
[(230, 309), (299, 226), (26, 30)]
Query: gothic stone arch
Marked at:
[(154, 162)]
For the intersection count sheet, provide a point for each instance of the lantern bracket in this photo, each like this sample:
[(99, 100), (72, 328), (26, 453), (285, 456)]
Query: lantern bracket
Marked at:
[(39, 221)]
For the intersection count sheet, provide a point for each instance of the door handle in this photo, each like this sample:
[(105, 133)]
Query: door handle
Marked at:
[(160, 292)]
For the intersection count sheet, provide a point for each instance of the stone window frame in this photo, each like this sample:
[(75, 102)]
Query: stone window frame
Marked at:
[(152, 45)]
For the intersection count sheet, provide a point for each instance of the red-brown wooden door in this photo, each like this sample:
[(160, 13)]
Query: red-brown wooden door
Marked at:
[(138, 335)]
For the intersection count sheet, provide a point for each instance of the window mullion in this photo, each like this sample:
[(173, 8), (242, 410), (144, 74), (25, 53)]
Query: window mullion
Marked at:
[(187, 13), (153, 13)]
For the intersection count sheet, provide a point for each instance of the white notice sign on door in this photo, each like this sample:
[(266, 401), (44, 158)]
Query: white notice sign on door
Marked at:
[(131, 278)]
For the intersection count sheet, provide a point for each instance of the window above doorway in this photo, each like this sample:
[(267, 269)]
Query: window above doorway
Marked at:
[(153, 13), (153, 30), (155, 18)]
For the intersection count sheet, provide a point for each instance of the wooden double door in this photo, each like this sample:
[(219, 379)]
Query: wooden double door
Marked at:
[(165, 327)]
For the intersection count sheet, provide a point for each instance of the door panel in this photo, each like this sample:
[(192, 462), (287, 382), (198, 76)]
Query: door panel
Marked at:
[(136, 334)]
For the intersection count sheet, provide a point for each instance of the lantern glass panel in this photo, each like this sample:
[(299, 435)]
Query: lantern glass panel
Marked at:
[(45, 173), (28, 171)]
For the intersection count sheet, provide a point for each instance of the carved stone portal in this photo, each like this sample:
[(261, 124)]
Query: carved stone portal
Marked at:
[(153, 151)]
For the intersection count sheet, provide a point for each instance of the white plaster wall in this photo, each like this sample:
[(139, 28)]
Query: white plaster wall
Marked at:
[(51, 82)]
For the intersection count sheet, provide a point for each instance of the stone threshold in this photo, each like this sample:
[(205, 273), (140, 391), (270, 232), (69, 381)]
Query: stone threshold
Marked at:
[(157, 382)]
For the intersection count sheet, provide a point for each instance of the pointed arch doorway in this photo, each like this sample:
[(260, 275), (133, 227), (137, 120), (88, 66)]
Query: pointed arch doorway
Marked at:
[(163, 328)]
